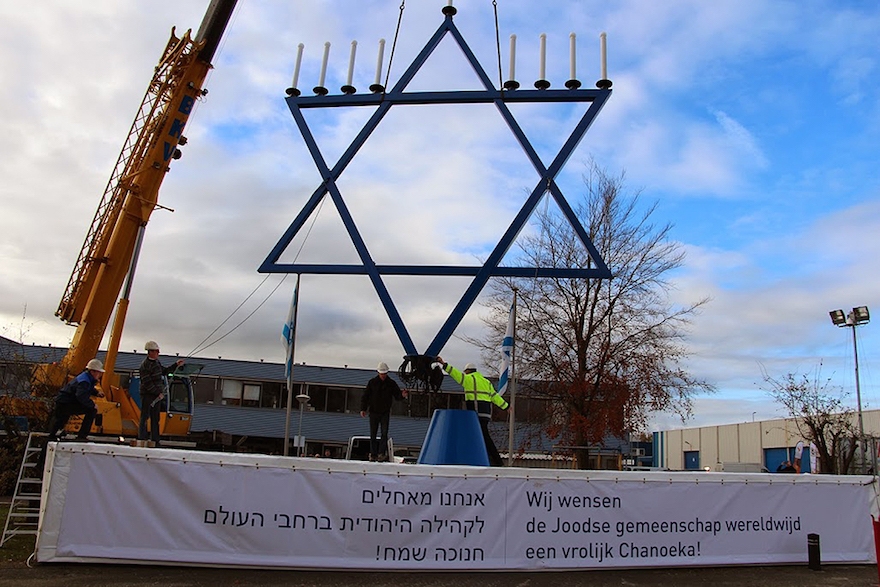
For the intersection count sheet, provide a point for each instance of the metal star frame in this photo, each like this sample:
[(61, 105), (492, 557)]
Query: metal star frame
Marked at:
[(383, 101)]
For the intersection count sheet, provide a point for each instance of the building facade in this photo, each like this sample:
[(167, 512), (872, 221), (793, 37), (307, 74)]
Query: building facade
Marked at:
[(765, 443), (243, 405)]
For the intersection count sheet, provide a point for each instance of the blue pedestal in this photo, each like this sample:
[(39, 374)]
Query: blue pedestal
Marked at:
[(454, 438)]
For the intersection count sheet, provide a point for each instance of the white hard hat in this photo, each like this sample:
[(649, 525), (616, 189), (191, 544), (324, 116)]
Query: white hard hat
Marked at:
[(382, 368), (470, 367), (95, 365), (151, 345)]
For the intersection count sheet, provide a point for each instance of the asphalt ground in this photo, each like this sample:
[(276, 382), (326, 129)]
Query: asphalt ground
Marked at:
[(88, 575)]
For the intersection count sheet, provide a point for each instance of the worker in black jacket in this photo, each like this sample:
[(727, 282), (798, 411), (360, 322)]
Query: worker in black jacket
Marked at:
[(380, 393), (152, 390)]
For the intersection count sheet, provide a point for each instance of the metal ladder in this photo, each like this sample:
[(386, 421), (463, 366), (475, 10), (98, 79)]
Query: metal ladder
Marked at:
[(24, 509)]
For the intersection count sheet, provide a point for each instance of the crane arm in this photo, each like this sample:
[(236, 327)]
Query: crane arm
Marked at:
[(133, 189)]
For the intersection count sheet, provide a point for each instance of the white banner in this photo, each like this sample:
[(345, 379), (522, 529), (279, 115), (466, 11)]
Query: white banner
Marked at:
[(154, 506)]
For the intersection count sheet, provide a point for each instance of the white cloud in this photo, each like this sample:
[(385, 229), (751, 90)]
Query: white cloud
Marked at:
[(439, 186)]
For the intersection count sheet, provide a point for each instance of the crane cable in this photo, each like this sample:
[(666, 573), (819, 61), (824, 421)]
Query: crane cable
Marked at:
[(498, 46), (394, 42), (199, 348)]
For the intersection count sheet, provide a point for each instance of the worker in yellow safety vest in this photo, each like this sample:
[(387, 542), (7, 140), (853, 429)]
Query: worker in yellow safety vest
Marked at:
[(479, 395)]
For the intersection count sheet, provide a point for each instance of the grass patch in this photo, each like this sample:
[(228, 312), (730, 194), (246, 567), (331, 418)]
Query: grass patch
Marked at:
[(16, 550)]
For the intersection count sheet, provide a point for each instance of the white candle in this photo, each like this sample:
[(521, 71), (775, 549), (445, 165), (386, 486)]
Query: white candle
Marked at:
[(299, 58), (542, 56), (379, 61), (571, 51), (324, 64), (512, 57), (354, 45), (448, 2), (603, 56)]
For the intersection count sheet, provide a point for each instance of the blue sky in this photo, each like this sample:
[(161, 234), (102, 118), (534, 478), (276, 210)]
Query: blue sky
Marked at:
[(754, 126)]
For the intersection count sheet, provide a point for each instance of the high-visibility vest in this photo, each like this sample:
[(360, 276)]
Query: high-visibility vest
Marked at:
[(476, 387)]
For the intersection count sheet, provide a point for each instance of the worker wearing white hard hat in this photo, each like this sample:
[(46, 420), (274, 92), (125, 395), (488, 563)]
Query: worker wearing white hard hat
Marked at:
[(479, 395), (153, 381), (75, 398), (377, 399)]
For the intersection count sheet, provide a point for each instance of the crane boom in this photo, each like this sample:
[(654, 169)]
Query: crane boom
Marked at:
[(133, 189)]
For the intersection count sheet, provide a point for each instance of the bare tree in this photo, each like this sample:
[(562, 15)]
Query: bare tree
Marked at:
[(610, 351), (20, 408), (821, 416)]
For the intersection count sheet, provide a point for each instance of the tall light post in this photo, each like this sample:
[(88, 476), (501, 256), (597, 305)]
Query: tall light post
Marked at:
[(856, 317)]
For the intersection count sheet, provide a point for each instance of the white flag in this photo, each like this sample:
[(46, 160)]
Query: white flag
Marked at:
[(288, 334), (506, 352)]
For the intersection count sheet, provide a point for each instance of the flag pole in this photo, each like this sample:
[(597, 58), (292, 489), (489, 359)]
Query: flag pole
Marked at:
[(512, 383), (291, 343)]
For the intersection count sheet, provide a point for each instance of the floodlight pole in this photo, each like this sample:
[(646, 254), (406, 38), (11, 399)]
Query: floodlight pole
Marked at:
[(852, 324), (858, 316)]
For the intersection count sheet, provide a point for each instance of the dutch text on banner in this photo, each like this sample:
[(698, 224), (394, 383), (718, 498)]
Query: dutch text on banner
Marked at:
[(274, 512), (506, 353)]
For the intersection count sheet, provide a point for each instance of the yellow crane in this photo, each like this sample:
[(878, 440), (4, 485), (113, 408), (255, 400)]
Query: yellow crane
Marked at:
[(104, 270)]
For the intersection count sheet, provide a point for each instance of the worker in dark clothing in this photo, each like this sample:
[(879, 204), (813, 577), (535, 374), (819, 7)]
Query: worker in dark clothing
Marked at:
[(479, 395), (152, 390), (380, 393), (76, 398)]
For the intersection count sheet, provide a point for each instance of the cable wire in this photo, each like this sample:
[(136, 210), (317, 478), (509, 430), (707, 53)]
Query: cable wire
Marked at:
[(394, 43), (199, 348), (498, 46)]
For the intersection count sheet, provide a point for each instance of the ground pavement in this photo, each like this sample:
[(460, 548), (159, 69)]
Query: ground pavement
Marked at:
[(87, 575)]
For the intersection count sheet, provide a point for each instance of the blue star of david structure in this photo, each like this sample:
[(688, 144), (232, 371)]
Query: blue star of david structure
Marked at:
[(491, 268)]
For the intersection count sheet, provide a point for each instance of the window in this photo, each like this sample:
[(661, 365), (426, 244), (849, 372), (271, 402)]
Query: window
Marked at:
[(336, 399), (178, 392), (250, 394), (353, 401), (297, 389), (318, 395), (418, 404), (455, 401), (232, 392), (400, 408), (270, 394), (204, 390), (237, 393)]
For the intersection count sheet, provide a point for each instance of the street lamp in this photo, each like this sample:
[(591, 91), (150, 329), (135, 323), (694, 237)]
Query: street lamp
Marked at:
[(856, 317), (303, 399)]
